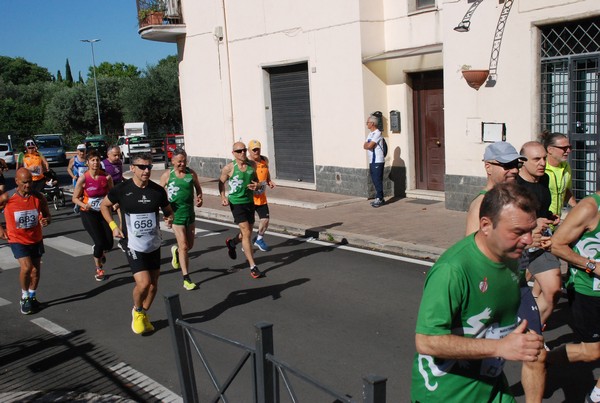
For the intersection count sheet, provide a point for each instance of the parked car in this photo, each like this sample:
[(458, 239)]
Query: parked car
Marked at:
[(97, 143), (7, 154), (133, 144), (52, 147), (172, 141)]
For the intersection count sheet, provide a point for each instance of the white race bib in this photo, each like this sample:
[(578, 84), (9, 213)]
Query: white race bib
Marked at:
[(26, 219), (94, 203), (143, 224), (493, 367)]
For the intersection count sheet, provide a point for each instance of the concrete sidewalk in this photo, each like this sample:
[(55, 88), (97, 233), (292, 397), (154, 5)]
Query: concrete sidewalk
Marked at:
[(409, 227)]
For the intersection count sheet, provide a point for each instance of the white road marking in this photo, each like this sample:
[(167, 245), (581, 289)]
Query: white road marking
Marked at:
[(125, 371), (68, 245), (51, 327), (149, 385), (323, 243), (7, 259), (4, 302)]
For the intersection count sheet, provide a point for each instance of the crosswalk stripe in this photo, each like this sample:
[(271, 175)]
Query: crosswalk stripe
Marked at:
[(4, 302), (72, 247), (68, 246), (7, 259), (51, 327), (144, 382)]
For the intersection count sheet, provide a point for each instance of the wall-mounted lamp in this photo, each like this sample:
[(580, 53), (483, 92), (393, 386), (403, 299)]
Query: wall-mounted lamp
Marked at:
[(395, 121), (219, 33), (463, 26)]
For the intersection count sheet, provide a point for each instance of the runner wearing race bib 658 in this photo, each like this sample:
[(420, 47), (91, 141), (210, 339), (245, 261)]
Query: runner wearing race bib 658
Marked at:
[(90, 189), (140, 201)]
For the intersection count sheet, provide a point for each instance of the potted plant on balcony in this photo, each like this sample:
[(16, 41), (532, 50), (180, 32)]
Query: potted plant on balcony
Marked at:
[(474, 78), (151, 12)]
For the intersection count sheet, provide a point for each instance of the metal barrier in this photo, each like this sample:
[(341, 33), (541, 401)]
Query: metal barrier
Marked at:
[(267, 369)]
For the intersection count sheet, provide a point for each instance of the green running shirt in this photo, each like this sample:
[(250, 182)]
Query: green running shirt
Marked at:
[(469, 295), (238, 185), (589, 247), (181, 196)]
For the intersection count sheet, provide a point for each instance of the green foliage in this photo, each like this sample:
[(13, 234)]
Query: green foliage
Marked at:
[(147, 7), (20, 71), (68, 75), (154, 99), (106, 69), (125, 94)]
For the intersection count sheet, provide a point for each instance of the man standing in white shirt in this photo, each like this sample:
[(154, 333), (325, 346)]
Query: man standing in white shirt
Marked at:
[(376, 158)]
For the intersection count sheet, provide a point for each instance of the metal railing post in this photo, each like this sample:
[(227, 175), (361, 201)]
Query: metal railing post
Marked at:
[(181, 346), (264, 368), (374, 389)]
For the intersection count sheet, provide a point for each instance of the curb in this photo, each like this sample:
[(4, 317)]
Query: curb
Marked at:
[(407, 249)]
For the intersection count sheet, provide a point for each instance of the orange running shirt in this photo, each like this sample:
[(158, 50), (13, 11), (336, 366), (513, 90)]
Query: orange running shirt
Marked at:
[(262, 173), (22, 219)]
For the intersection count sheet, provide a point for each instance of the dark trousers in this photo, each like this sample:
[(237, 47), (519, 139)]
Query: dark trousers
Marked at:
[(101, 234), (376, 169)]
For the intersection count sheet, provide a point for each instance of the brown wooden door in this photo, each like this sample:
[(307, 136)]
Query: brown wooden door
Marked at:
[(428, 107)]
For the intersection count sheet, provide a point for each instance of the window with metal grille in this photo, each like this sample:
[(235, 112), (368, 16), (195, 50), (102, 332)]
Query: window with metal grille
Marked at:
[(570, 64)]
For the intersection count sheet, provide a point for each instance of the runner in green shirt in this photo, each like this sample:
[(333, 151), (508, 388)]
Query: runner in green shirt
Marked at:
[(467, 323), (577, 241), (180, 183), (240, 175)]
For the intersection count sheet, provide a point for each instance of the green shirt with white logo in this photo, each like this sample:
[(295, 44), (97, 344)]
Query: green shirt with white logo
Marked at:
[(469, 295)]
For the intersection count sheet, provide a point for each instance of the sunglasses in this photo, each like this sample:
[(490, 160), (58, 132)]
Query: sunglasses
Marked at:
[(143, 167), (507, 166), (255, 150), (241, 150), (564, 148)]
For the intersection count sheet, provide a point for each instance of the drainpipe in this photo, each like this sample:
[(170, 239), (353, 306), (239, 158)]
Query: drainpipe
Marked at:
[(226, 37)]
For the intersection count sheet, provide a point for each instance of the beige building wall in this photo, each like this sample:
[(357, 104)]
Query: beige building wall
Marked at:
[(361, 55), (515, 99)]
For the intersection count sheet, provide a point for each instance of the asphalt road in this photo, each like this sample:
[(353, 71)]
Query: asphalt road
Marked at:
[(338, 314)]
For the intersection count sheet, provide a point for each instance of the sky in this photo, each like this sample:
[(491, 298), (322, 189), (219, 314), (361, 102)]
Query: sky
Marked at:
[(48, 32)]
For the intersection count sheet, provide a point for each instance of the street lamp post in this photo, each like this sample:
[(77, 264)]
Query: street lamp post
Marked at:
[(91, 42)]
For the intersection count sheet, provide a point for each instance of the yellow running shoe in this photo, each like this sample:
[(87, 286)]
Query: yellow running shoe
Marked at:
[(175, 259), (137, 322), (189, 285), (147, 324)]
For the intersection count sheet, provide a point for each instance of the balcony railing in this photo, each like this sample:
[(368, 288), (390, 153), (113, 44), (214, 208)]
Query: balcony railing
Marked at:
[(160, 20)]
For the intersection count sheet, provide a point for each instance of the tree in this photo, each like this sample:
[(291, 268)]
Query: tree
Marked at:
[(20, 71), (106, 69), (80, 81), (154, 98), (68, 75), (22, 108), (59, 78)]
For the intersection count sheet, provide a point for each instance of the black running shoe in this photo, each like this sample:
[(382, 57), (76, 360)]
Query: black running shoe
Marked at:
[(26, 308), (255, 273), (35, 304), (231, 248)]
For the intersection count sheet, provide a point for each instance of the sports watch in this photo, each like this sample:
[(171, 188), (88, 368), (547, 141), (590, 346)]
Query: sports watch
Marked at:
[(590, 266)]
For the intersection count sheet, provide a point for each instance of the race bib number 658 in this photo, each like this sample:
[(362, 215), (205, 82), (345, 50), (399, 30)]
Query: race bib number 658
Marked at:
[(143, 224)]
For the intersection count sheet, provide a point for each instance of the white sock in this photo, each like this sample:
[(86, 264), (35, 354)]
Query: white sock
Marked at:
[(595, 395), (259, 237), (24, 294), (31, 293)]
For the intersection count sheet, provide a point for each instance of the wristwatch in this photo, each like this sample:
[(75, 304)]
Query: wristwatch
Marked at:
[(590, 267)]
